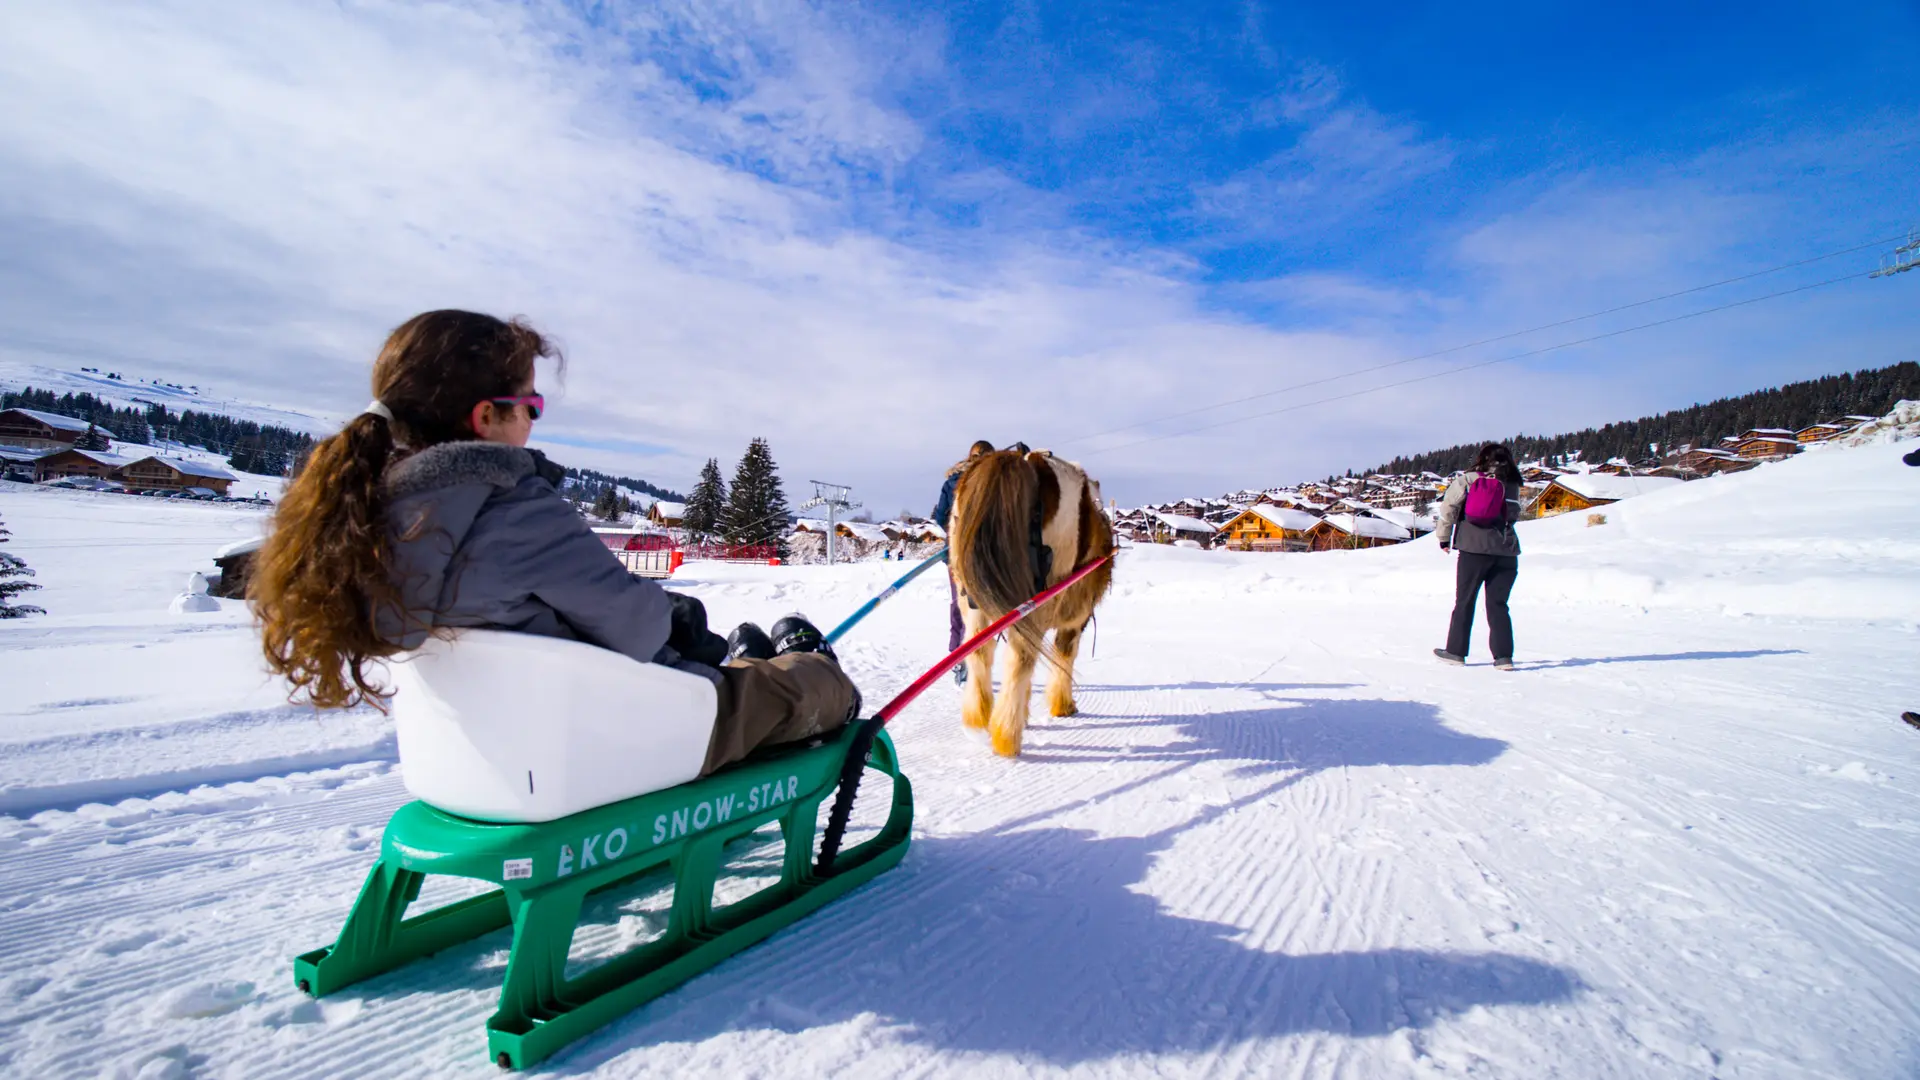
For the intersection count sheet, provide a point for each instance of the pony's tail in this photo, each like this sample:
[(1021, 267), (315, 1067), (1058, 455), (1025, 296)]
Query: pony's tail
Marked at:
[(321, 576), (990, 536)]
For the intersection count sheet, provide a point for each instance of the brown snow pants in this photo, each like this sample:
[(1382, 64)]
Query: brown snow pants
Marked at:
[(785, 699)]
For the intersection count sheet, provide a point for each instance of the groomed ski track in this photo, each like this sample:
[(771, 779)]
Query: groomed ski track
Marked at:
[(1278, 841)]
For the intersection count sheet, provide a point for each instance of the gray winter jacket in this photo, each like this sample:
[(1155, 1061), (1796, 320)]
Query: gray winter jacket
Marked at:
[(482, 538), (1452, 527)]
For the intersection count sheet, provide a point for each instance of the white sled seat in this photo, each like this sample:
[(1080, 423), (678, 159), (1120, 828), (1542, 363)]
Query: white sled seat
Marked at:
[(511, 727)]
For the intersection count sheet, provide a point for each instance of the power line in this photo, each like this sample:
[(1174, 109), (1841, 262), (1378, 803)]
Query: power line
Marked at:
[(1476, 344), (1486, 363)]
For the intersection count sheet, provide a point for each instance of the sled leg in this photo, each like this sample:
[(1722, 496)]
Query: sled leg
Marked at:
[(377, 936), (1066, 644), (541, 1010)]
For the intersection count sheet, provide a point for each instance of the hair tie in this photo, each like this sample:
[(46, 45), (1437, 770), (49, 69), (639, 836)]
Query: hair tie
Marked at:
[(375, 408)]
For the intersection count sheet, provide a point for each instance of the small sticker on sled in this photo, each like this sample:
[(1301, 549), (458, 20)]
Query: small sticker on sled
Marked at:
[(516, 869)]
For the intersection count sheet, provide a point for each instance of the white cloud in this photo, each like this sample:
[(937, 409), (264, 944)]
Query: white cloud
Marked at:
[(696, 200), (1346, 156)]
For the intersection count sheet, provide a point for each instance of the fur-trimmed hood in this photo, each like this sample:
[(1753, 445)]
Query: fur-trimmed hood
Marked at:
[(448, 464)]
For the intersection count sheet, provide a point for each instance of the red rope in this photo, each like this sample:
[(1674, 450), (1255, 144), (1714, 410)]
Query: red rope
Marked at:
[(905, 698)]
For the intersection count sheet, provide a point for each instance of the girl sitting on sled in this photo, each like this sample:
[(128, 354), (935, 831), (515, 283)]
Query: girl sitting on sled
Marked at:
[(427, 512)]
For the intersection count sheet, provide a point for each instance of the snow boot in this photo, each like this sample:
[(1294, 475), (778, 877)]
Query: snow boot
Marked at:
[(1449, 657), (795, 634), (1912, 718), (749, 642), (1504, 663)]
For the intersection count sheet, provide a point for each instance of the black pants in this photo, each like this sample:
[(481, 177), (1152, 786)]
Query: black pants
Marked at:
[(1497, 573)]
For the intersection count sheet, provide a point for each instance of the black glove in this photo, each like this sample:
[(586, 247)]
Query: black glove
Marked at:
[(1913, 458), (688, 634)]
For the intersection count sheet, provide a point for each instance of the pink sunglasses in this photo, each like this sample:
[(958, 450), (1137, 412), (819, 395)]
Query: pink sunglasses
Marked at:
[(535, 403)]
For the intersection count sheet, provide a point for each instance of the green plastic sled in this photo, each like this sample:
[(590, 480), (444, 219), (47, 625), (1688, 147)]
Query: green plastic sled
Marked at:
[(547, 870)]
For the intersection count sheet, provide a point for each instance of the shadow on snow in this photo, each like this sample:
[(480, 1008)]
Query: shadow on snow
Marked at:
[(1036, 942), (1037, 945), (1651, 658)]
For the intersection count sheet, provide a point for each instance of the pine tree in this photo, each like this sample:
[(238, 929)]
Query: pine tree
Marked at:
[(606, 504), (92, 439), (12, 568), (707, 506), (757, 508)]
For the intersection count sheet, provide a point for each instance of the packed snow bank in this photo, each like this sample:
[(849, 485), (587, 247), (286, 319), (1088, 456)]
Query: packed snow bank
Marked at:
[(1279, 839)]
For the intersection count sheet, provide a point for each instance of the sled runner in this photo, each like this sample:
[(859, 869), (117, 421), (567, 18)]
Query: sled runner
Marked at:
[(475, 748)]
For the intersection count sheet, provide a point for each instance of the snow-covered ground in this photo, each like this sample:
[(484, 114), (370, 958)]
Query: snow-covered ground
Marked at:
[(1683, 839)]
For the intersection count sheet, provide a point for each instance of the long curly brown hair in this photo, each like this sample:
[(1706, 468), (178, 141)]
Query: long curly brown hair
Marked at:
[(322, 576)]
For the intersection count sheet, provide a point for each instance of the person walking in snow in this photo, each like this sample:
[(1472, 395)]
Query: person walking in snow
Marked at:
[(1476, 518), (942, 511), (427, 512)]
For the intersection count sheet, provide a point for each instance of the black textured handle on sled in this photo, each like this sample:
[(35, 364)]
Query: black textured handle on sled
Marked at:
[(850, 772)]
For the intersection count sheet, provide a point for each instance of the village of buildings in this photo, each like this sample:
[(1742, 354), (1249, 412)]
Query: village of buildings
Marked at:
[(1379, 509), (47, 448), (1341, 513)]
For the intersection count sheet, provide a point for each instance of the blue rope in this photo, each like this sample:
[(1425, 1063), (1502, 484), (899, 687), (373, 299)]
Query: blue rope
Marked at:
[(867, 608)]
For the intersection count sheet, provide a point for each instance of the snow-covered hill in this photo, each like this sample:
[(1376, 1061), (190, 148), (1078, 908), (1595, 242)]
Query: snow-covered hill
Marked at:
[(1683, 839), (133, 387)]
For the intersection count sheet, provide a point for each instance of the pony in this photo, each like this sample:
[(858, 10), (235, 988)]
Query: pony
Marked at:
[(1023, 522)]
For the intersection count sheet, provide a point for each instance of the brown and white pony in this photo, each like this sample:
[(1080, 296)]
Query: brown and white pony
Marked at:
[(997, 566)]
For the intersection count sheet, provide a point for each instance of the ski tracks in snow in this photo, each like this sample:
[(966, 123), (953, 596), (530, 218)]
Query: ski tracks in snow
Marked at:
[(1280, 849)]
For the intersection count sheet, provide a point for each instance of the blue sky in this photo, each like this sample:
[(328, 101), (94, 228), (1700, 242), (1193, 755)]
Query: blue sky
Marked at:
[(872, 234)]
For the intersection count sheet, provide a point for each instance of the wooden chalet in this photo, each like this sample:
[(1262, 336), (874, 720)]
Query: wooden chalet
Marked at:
[(666, 514), (1708, 461), (1832, 429), (863, 531), (1821, 432), (1587, 490), (1167, 528), (154, 472), (98, 464), (36, 430), (1338, 532), (1265, 527), (1767, 447), (16, 463)]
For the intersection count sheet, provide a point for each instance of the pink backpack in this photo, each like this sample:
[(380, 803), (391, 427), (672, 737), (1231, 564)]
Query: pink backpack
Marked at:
[(1486, 503)]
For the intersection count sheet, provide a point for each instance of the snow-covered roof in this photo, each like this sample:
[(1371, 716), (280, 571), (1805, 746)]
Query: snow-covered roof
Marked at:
[(54, 420), (186, 467), (21, 453), (670, 509), (1183, 523), (1366, 526), (112, 459), (1285, 517), (1406, 519), (864, 530), (1606, 486)]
